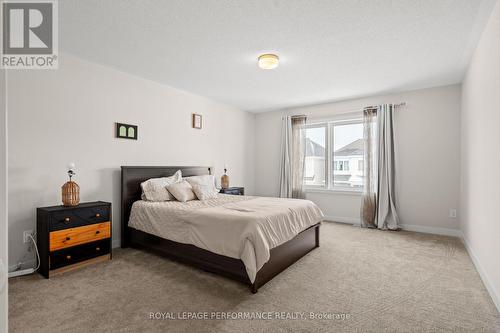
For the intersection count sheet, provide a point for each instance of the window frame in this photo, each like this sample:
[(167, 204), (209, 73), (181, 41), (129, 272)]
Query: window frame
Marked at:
[(329, 126), (325, 126)]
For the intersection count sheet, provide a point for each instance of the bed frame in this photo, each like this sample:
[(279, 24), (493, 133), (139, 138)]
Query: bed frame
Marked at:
[(281, 257)]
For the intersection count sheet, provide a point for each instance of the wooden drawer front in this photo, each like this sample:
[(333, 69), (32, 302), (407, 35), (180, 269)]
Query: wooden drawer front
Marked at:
[(78, 217), (79, 253), (75, 236)]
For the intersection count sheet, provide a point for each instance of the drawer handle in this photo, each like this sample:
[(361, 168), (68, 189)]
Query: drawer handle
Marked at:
[(97, 232), (68, 257), (98, 249), (97, 215), (67, 219)]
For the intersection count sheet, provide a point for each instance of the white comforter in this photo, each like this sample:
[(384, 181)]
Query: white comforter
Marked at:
[(240, 227)]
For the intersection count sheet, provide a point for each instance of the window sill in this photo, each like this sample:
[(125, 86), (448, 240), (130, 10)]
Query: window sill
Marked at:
[(334, 191)]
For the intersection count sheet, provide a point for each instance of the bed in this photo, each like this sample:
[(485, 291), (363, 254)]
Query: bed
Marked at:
[(185, 231)]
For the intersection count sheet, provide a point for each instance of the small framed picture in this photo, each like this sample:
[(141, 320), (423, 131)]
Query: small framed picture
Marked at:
[(197, 121), (126, 131)]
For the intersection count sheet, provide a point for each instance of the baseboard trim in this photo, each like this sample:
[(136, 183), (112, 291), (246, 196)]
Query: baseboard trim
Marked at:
[(22, 265), (432, 230), (495, 296), (407, 227), (340, 219)]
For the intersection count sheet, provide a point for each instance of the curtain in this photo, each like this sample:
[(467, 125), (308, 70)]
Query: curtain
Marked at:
[(369, 199), (387, 217), (292, 157), (378, 206)]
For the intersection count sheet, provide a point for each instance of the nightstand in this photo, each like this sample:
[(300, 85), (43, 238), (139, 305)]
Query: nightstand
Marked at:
[(72, 237), (233, 190)]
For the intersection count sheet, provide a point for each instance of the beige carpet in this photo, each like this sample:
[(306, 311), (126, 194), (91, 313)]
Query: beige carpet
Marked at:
[(383, 281)]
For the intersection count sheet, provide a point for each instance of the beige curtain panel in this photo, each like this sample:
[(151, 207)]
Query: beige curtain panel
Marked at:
[(369, 199), (387, 216), (292, 161), (378, 206)]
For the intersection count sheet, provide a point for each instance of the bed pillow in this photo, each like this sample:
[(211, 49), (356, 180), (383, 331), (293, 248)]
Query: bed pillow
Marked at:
[(182, 191), (155, 189), (204, 192), (205, 180)]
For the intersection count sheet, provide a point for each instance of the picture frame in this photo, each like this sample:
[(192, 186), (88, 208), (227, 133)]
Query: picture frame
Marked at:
[(197, 121), (126, 131)]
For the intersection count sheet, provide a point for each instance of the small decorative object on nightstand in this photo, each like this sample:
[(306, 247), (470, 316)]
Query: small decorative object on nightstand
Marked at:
[(233, 190), (70, 190), (224, 180), (71, 237)]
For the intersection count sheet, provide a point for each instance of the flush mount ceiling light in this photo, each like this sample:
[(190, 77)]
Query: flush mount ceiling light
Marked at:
[(268, 61)]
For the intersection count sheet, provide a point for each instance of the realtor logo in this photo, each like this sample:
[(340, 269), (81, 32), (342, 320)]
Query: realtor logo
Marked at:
[(29, 34)]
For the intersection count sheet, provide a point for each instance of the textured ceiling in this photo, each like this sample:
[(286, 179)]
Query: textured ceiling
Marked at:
[(330, 50)]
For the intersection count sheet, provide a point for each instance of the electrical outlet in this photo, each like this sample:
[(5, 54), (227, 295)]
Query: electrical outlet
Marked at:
[(453, 213), (26, 237)]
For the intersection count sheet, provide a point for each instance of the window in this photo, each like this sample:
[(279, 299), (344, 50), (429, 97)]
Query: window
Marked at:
[(315, 160), (340, 165), (334, 155)]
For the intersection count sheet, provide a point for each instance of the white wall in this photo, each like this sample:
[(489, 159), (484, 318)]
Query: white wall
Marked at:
[(428, 146), (480, 193), (69, 114), (3, 202)]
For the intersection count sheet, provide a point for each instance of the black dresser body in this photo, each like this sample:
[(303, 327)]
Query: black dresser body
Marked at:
[(70, 237)]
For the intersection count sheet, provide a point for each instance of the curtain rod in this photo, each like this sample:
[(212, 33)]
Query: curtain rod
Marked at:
[(376, 106), (344, 112)]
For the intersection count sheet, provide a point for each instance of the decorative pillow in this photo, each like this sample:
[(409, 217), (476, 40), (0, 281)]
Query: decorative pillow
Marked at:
[(182, 191), (204, 192), (205, 180), (155, 189)]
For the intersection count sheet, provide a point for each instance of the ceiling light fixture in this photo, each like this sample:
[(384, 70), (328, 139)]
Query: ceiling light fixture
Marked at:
[(268, 61)]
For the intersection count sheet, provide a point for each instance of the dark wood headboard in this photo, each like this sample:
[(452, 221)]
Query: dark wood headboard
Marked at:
[(133, 176)]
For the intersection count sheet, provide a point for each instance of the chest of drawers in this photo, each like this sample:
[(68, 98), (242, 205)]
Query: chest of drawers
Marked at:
[(72, 237)]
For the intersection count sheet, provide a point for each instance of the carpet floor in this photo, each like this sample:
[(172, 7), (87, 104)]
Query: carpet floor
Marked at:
[(357, 280)]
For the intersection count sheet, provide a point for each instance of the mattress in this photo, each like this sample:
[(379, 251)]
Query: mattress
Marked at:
[(240, 227)]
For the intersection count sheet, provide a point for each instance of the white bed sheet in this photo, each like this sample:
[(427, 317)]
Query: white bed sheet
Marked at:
[(240, 227)]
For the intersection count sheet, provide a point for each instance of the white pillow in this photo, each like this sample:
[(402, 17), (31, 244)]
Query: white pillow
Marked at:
[(155, 189), (205, 180), (182, 191), (204, 192)]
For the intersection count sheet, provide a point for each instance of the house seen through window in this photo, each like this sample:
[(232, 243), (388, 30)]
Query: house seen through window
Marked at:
[(334, 155)]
